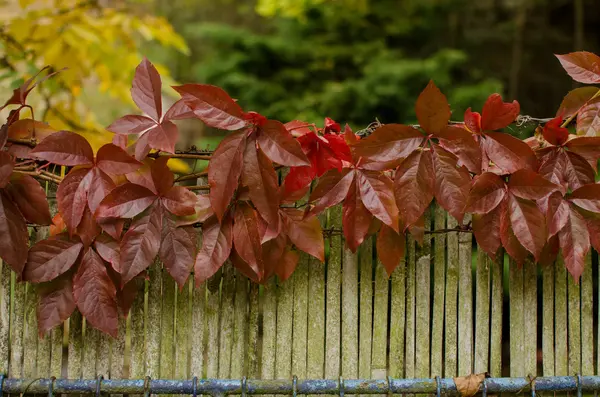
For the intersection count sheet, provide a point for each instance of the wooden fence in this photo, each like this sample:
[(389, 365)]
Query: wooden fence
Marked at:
[(447, 310)]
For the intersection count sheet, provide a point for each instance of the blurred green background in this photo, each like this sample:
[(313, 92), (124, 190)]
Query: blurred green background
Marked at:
[(352, 60)]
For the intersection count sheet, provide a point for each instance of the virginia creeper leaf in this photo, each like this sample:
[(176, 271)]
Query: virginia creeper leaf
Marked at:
[(287, 264), (202, 211), (280, 146), (577, 171), (331, 189), (356, 218), (528, 224), (100, 186), (557, 213), (487, 192), (163, 136), (463, 145), (131, 124), (582, 66), (179, 111), (88, 229), (554, 133), (50, 258), (273, 251), (56, 304), (145, 90), (433, 111), (510, 242), (6, 168), (177, 250), (574, 100), (179, 201), (452, 183), (391, 247), (553, 166), (30, 197), (588, 120), (587, 197), (64, 148), (508, 153), (305, 233), (530, 185), (497, 114), (246, 237), (377, 194), (72, 196), (109, 249), (389, 142), (115, 161), (486, 228), (216, 246), (125, 201), (414, 186), (586, 147), (574, 244)]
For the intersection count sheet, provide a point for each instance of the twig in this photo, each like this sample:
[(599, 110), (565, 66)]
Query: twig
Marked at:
[(198, 187), (195, 175), (31, 142), (180, 155), (44, 176)]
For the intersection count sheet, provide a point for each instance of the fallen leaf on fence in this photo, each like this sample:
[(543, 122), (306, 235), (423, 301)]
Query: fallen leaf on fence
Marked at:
[(468, 385)]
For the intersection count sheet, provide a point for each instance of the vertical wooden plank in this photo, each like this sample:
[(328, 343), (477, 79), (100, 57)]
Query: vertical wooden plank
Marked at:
[(517, 367), (30, 337), (4, 316), (451, 315), (497, 274), (117, 352), (548, 320), (574, 325), (212, 319), (482, 312), (226, 320), (349, 314), (152, 322), (439, 283), (240, 322), (397, 320), (285, 312), (56, 351), (182, 332), (75, 349), (422, 305), (315, 359), (103, 355), (587, 319), (167, 327), (530, 318), (380, 323), (561, 350), (198, 330), (137, 315), (409, 360), (300, 318), (17, 327), (332, 315), (465, 302), (269, 341), (91, 337), (365, 316), (253, 371), (43, 355)]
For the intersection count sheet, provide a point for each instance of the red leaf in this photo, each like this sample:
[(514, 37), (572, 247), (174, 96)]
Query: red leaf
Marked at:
[(127, 295), (7, 164), (145, 90), (113, 227), (280, 146), (13, 244), (50, 258), (162, 176), (574, 244), (87, 229), (433, 111), (530, 185), (588, 120), (298, 128), (577, 171), (377, 194), (58, 225), (305, 233), (179, 201), (298, 179), (72, 196), (452, 183), (593, 225), (115, 161), (131, 124), (246, 237), (177, 250), (125, 201), (553, 166), (120, 141), (554, 133), (509, 240), (574, 100), (140, 244), (179, 111), (331, 189), (582, 66), (391, 247), (216, 247), (463, 145), (586, 147), (109, 249), (95, 294), (497, 114), (224, 171), (213, 106), (287, 264), (389, 142), (414, 185), (356, 218), (528, 224), (20, 94), (260, 177), (30, 197), (587, 197), (273, 251), (56, 304), (487, 192), (550, 252), (508, 153), (486, 228), (473, 121), (557, 213), (64, 148), (417, 230), (141, 148), (100, 186), (163, 136), (202, 211)]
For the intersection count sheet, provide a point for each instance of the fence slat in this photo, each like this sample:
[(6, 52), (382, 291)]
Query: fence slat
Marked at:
[(397, 320), (117, 352), (409, 358), (574, 325), (253, 325), (422, 295), (465, 302), (137, 334), (332, 316), (530, 318), (587, 319), (497, 274), (561, 350), (5, 275), (315, 359), (269, 342), (300, 317), (548, 320), (30, 338), (167, 326), (103, 355), (516, 319), (226, 320), (152, 321), (451, 312), (285, 312), (380, 323), (182, 332), (91, 338), (75, 348), (240, 321), (212, 320), (482, 312), (56, 352), (17, 327), (198, 329), (365, 316), (439, 281)]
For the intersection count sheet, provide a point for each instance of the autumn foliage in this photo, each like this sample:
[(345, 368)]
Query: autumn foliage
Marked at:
[(121, 208)]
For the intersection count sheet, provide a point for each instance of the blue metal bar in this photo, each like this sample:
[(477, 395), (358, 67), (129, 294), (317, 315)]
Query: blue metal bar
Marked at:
[(219, 387)]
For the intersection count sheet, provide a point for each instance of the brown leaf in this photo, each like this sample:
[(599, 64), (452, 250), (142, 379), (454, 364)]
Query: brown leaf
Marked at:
[(469, 385)]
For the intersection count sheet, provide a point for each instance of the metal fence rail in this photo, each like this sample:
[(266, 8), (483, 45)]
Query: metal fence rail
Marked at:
[(220, 387)]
